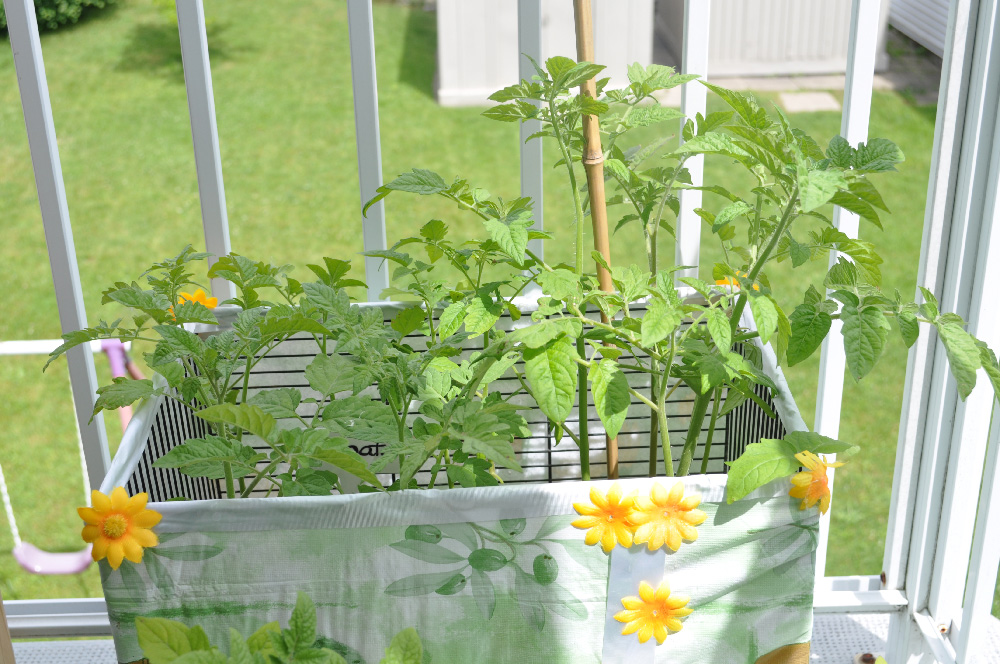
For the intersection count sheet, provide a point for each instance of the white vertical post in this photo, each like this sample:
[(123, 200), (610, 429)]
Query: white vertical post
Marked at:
[(694, 98), (929, 552), (204, 135), (854, 127), (529, 42), (362, 37), (23, 30)]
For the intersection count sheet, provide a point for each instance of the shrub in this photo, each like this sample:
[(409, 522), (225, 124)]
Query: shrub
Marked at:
[(53, 13)]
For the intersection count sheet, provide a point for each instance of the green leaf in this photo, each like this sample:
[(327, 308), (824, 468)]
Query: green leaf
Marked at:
[(771, 459), (560, 283), (176, 343), (765, 314), (730, 212), (816, 187), (302, 624), (909, 328), (877, 156), (611, 395), (260, 641), (427, 551), (719, 328), (205, 457), (711, 144), (810, 325), (451, 319), (484, 593), (362, 418), (329, 374), (659, 321), (406, 647), (190, 553), (122, 392), (418, 584), (865, 331), (541, 333), (551, 371), (840, 152), (963, 355), (419, 181), (482, 313), (347, 460), (162, 640), (202, 657), (280, 402), (530, 598), (423, 533), (408, 320), (510, 235), (245, 416)]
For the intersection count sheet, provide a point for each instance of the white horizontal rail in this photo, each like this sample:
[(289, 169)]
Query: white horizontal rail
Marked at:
[(204, 135), (44, 618), (43, 346), (694, 100), (23, 32), (362, 38), (861, 53)]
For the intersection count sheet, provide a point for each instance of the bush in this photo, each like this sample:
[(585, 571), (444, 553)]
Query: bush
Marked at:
[(53, 13)]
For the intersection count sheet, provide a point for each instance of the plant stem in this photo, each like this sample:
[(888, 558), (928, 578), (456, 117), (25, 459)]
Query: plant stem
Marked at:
[(698, 410), (227, 468), (711, 429), (584, 441), (661, 414), (786, 220)]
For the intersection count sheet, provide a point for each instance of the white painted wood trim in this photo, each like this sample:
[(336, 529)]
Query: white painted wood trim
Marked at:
[(205, 135), (365, 86), (23, 32), (694, 100), (861, 54), (529, 42)]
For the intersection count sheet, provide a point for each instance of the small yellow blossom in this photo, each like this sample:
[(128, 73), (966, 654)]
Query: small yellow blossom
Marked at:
[(201, 297), (813, 485), (653, 612), (607, 519), (666, 517), (119, 526), (730, 281)]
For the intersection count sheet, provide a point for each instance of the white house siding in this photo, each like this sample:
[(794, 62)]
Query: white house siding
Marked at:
[(770, 37), (923, 21), (477, 42)]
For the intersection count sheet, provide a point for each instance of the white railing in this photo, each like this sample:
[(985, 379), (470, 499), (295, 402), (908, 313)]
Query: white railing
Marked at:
[(941, 553)]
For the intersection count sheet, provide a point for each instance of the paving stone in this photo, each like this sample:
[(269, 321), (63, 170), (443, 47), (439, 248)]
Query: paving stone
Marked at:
[(806, 102)]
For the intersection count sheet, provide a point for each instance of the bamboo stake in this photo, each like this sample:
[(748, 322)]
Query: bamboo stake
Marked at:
[(593, 165)]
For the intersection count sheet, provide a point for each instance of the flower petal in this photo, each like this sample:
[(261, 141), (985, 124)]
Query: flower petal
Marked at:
[(585, 522), (598, 500), (132, 550), (608, 540), (593, 536), (144, 537), (673, 624), (694, 517), (659, 495), (676, 493), (660, 633), (646, 592), (586, 510), (146, 519), (90, 533), (690, 502), (137, 503), (100, 502), (100, 550), (614, 494), (673, 538), (89, 515), (645, 632), (632, 627), (119, 499), (116, 553)]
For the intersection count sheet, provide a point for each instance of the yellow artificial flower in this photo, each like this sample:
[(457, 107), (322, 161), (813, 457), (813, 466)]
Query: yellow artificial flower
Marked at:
[(119, 526), (813, 485), (653, 612), (201, 297), (607, 519), (666, 517)]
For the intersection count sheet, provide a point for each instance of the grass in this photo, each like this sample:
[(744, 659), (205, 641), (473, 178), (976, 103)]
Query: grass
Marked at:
[(287, 137)]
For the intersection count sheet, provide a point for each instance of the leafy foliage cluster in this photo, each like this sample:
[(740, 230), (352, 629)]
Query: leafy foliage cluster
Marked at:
[(53, 13), (676, 330), (166, 641)]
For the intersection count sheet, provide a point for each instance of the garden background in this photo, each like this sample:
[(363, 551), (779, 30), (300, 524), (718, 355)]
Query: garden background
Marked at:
[(285, 115)]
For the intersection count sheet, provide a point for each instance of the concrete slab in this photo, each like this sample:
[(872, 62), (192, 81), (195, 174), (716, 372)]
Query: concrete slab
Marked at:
[(807, 102)]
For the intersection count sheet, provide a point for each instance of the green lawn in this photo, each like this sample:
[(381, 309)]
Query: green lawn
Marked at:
[(283, 99)]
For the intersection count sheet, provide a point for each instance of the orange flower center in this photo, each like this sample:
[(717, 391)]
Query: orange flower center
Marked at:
[(115, 526)]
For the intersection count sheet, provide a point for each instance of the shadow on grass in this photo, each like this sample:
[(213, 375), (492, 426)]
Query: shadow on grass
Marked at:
[(155, 49), (416, 67)]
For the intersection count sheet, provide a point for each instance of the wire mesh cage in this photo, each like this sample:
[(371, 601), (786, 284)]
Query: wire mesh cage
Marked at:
[(544, 455)]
